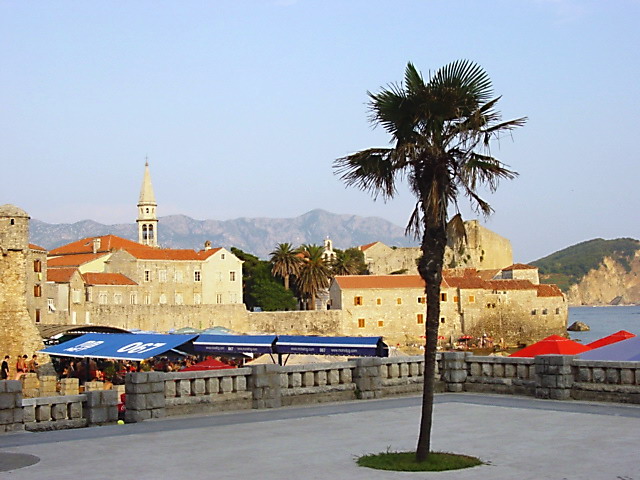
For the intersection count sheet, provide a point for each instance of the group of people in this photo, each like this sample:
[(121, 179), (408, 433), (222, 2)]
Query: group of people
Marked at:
[(23, 365)]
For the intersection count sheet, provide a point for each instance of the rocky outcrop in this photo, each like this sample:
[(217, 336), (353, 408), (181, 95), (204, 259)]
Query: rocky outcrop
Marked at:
[(609, 284), (579, 327)]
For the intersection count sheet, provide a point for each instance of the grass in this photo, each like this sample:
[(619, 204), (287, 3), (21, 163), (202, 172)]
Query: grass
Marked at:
[(406, 462)]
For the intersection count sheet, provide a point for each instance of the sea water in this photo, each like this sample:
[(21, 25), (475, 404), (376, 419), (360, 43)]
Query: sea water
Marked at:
[(604, 321)]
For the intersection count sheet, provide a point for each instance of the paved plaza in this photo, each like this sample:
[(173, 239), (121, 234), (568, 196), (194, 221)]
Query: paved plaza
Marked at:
[(517, 438)]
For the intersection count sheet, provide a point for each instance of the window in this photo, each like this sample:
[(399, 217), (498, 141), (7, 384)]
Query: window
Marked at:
[(102, 298), (234, 298), (544, 311), (232, 276), (422, 300), (74, 318), (456, 299), (76, 295), (178, 299), (218, 298), (37, 266), (381, 323), (442, 320), (117, 298), (357, 300), (196, 276), (472, 298), (133, 298), (420, 318), (197, 299), (147, 275), (50, 306), (361, 323), (222, 256), (399, 301), (162, 276), (378, 301), (178, 276), (534, 312), (557, 311), (37, 316), (443, 297), (147, 299), (37, 290), (87, 318), (87, 294), (163, 299)]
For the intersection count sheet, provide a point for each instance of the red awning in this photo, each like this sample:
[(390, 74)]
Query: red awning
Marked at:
[(613, 338), (211, 364), (552, 345)]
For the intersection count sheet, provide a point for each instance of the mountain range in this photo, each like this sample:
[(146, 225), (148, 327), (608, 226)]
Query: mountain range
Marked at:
[(258, 236)]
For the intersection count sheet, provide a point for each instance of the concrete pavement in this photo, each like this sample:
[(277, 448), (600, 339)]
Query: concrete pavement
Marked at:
[(518, 438)]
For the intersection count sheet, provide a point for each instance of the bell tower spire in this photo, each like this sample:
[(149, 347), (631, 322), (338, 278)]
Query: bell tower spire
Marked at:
[(147, 219)]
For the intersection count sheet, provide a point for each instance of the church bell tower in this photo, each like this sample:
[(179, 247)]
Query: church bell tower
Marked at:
[(147, 219)]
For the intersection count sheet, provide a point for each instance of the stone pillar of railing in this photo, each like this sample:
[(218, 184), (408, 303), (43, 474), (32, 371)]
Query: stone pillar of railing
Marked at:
[(264, 383), (554, 376), (30, 385), (367, 378), (101, 407), (145, 396), (48, 386), (69, 386), (454, 371), (11, 413)]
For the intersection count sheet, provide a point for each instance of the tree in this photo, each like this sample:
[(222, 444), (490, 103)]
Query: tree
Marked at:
[(314, 273), (440, 134), (343, 264), (285, 262)]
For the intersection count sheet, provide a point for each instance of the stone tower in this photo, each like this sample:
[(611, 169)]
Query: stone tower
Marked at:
[(147, 219), (18, 333)]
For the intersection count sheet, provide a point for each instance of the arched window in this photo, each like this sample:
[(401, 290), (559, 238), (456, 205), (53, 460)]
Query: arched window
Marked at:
[(150, 232), (144, 232)]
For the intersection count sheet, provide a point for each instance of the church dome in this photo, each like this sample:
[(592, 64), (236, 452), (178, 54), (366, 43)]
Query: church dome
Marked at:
[(9, 210)]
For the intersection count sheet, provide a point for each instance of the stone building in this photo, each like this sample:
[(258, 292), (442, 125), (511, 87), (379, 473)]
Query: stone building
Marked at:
[(479, 248), (18, 276), (498, 303)]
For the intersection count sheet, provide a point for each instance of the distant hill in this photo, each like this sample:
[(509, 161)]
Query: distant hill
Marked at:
[(596, 271), (258, 236)]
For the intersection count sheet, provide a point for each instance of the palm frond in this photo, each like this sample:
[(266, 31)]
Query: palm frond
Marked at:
[(372, 170)]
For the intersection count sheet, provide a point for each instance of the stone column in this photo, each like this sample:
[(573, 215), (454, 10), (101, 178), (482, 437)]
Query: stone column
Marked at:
[(367, 378), (554, 376), (101, 407), (11, 412), (145, 396), (454, 371), (264, 384)]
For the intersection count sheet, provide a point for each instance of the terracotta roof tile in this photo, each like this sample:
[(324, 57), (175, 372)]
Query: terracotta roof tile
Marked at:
[(171, 254), (547, 290), (488, 274), (362, 248), (60, 275), (33, 246), (511, 285), (379, 281), (465, 283), (108, 243), (519, 266), (73, 260), (107, 279)]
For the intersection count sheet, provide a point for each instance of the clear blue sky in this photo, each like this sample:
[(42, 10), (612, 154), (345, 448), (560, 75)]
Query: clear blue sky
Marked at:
[(242, 106)]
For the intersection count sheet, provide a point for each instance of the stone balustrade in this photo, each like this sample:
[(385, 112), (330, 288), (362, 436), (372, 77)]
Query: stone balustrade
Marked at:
[(157, 394), (320, 382)]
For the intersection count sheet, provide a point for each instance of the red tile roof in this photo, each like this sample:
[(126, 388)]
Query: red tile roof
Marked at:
[(368, 245), (33, 246), (60, 275), (111, 243), (547, 290), (465, 283), (519, 266), (379, 281), (72, 260), (511, 285), (488, 274), (107, 279)]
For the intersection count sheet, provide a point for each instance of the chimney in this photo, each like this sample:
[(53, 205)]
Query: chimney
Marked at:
[(207, 245), (96, 245)]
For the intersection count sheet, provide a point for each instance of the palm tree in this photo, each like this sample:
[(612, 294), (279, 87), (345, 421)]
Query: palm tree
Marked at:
[(343, 264), (314, 273), (440, 132), (285, 262)]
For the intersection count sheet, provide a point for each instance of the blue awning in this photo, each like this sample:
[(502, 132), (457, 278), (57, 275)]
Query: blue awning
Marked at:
[(121, 346), (358, 346), (235, 343)]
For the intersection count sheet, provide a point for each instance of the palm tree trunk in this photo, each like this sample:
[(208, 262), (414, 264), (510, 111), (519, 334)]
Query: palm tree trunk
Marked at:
[(312, 300), (430, 268), (286, 282)]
